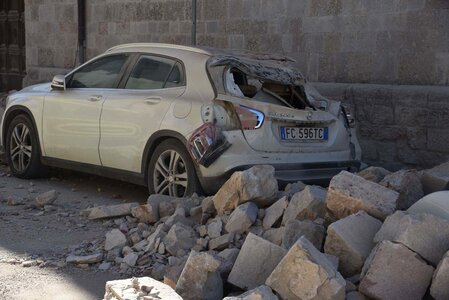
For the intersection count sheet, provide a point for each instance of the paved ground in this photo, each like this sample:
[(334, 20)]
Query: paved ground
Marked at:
[(27, 232)]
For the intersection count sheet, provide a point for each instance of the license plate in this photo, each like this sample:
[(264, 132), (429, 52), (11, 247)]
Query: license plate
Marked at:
[(304, 133)]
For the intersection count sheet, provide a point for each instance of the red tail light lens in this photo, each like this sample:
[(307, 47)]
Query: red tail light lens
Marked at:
[(250, 118)]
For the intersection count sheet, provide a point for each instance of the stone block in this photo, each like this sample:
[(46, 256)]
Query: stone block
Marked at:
[(424, 234), (408, 184), (200, 278), (115, 239), (374, 174), (139, 288), (260, 293), (146, 213), (242, 218), (307, 204), (294, 229), (221, 242), (306, 273), (111, 211), (255, 262), (351, 240), (274, 235), (256, 184), (180, 239), (436, 179), (349, 193), (47, 198), (440, 280), (274, 212), (435, 204), (85, 259), (392, 271)]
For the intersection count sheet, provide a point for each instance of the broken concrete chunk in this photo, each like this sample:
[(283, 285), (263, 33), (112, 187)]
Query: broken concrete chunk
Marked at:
[(306, 273), (256, 184), (274, 235), (274, 212), (111, 211), (115, 239), (180, 238), (408, 184), (392, 271), (308, 204), (440, 281), (435, 204), (294, 229), (374, 174), (130, 259), (436, 179), (349, 193), (424, 234), (46, 198), (138, 288), (146, 214), (200, 278), (86, 259), (255, 262), (242, 218), (158, 234), (260, 293), (351, 240), (221, 242), (293, 188), (214, 228), (229, 254)]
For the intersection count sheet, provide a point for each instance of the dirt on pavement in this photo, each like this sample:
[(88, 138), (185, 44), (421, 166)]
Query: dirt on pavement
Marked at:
[(43, 237)]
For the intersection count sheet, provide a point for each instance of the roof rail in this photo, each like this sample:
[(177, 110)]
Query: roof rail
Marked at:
[(159, 45)]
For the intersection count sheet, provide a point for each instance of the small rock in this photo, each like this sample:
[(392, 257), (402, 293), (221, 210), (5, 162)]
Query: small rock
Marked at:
[(180, 237), (46, 198), (436, 179), (274, 212), (355, 296), (111, 211), (294, 229), (146, 214), (274, 235), (349, 193), (133, 288), (306, 273), (115, 239), (221, 242), (392, 271), (242, 218), (214, 228), (307, 204), (200, 278), (104, 266), (440, 281), (408, 184), (424, 234), (130, 259), (351, 240), (374, 174), (87, 259), (29, 263), (255, 262), (229, 254), (260, 293)]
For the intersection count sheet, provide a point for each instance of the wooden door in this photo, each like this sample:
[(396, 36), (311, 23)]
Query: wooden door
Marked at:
[(12, 44)]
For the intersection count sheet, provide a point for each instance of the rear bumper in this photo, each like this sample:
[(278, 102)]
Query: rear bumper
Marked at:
[(310, 173)]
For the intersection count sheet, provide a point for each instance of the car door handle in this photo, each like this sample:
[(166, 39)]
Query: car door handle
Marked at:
[(153, 100), (95, 98)]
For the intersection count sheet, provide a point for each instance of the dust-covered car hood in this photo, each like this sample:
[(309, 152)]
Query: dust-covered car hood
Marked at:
[(263, 66)]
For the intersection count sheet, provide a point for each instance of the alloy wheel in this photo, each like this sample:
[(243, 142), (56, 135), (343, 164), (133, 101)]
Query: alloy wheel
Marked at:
[(20, 147), (170, 174)]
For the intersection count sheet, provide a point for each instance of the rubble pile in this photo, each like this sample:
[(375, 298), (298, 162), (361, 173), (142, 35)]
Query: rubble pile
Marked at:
[(251, 241)]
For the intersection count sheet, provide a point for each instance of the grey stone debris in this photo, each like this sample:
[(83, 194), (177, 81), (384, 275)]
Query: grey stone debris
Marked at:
[(351, 240), (392, 271), (436, 179), (349, 193), (294, 229), (262, 292), (221, 242), (274, 235), (111, 211), (200, 278), (306, 273), (408, 184), (374, 174), (440, 280), (242, 218), (46, 198), (229, 254), (115, 239), (180, 239), (424, 234), (274, 212), (130, 259), (139, 288), (293, 188), (85, 259), (256, 184), (255, 262), (214, 228), (148, 214), (308, 204), (355, 296)]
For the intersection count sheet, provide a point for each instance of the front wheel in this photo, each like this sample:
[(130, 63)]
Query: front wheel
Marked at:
[(22, 148), (171, 171)]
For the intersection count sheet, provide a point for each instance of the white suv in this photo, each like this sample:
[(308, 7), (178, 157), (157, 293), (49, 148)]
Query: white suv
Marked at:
[(179, 120)]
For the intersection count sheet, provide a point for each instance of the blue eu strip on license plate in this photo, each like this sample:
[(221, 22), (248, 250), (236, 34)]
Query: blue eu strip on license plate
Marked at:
[(305, 133)]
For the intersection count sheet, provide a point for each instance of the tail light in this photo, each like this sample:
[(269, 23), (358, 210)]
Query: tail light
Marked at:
[(250, 118), (206, 144), (347, 112)]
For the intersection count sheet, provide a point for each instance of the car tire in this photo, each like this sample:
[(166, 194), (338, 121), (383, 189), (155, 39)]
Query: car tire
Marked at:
[(171, 171), (22, 148)]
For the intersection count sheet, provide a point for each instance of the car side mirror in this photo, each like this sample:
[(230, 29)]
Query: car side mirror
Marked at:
[(58, 83)]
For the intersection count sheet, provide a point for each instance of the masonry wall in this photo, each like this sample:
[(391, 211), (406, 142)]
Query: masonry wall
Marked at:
[(369, 46)]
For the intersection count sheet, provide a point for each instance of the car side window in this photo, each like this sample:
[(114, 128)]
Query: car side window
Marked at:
[(101, 73), (152, 72)]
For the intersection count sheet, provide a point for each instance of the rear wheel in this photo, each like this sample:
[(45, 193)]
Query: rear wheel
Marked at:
[(22, 148), (171, 171)]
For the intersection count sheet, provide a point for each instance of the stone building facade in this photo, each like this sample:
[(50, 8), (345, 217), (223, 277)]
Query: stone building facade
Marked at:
[(359, 51)]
